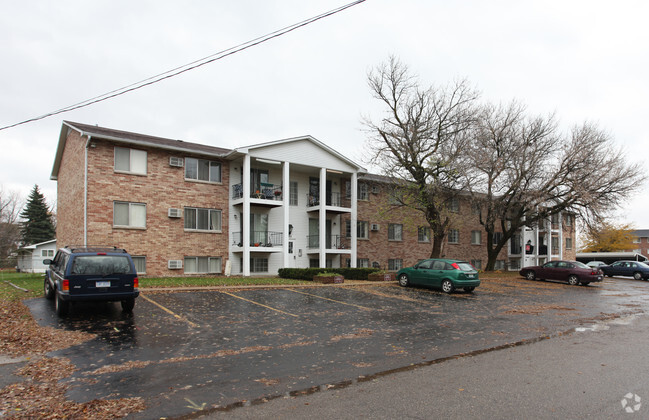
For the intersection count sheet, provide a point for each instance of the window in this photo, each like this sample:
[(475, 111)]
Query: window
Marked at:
[(47, 252), (500, 265), (567, 218), (129, 214), (362, 230), (348, 228), (423, 234), (476, 237), (454, 205), (498, 236), (130, 160), (258, 265), (476, 209), (554, 219), (514, 264), (568, 243), (348, 189), (395, 232), (395, 264), (636, 240), (363, 192), (202, 265), (477, 264), (363, 263), (202, 170), (140, 264), (202, 219), (292, 198), (453, 236)]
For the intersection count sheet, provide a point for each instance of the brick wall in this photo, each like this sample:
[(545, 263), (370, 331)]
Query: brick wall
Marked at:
[(163, 187), (70, 192)]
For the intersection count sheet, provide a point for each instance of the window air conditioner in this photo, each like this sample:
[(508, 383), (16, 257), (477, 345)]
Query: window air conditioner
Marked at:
[(176, 161), (174, 213), (374, 227), (175, 264), (375, 189)]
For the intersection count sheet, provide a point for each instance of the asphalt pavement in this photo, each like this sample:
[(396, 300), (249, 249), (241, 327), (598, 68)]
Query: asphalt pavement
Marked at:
[(189, 353)]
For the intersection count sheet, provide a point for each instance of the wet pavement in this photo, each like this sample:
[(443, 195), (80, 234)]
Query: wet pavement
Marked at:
[(187, 351)]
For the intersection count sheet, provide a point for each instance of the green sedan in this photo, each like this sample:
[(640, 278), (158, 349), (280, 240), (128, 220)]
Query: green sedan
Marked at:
[(446, 274)]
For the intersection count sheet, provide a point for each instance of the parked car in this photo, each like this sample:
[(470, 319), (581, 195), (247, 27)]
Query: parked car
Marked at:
[(574, 272), (595, 264), (443, 273), (91, 274), (636, 269)]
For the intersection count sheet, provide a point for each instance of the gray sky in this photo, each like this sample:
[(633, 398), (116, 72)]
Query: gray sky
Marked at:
[(584, 60)]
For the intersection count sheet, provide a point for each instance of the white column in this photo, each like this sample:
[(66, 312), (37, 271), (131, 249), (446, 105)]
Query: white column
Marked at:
[(286, 192), (354, 219), (323, 217), (245, 232)]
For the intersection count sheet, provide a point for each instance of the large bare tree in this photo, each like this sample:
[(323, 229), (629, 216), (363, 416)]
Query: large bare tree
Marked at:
[(525, 170), (419, 142)]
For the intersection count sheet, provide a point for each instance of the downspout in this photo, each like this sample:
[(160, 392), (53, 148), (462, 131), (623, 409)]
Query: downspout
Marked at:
[(85, 194)]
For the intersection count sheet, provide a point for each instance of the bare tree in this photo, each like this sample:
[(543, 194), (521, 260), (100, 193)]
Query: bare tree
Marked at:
[(524, 171), (10, 208), (419, 142)]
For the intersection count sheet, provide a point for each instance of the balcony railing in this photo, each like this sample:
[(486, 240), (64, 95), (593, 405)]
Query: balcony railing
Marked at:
[(332, 242), (333, 199), (264, 192), (260, 239)]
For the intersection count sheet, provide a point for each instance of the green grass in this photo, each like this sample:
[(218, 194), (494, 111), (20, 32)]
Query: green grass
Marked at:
[(32, 282), (214, 281)]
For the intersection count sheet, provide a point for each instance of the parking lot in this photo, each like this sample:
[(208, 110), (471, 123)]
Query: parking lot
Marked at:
[(188, 350)]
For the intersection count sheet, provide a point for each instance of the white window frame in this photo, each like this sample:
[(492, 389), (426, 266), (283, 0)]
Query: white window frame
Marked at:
[(198, 260), (138, 258), (423, 234), (293, 193), (258, 265), (454, 205), (476, 237), (363, 191), (365, 233), (568, 243), (134, 164), (47, 252), (209, 219), (363, 263), (189, 165), (395, 264), (395, 232), (132, 208), (453, 236)]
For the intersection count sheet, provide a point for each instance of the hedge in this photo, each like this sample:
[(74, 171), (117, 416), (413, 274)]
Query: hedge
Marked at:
[(308, 273)]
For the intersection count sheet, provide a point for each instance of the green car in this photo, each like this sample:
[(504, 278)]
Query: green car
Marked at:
[(447, 274)]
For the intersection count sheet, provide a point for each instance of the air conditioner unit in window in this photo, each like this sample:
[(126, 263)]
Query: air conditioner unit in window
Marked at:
[(174, 213), (176, 161), (375, 189), (374, 227), (175, 264)]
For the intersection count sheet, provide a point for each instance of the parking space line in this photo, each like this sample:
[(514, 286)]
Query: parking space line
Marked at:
[(169, 311), (260, 304), (333, 300)]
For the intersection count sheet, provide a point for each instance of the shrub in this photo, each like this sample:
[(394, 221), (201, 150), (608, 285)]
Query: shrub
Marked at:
[(308, 273)]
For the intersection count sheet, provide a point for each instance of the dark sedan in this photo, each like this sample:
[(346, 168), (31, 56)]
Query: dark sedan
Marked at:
[(635, 269), (573, 272)]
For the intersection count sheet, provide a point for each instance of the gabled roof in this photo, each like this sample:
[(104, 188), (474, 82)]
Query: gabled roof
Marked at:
[(239, 151), (130, 138), (34, 246)]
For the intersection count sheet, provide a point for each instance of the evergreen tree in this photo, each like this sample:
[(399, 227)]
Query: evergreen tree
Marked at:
[(37, 225)]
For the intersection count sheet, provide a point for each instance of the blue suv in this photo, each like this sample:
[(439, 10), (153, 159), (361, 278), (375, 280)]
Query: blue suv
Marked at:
[(91, 274)]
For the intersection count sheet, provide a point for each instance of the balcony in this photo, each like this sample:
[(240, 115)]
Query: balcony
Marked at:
[(260, 239), (271, 192), (332, 242), (334, 201)]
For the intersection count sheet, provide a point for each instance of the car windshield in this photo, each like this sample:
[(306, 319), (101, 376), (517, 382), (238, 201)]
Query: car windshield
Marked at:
[(465, 266), (580, 265), (102, 265), (643, 264)]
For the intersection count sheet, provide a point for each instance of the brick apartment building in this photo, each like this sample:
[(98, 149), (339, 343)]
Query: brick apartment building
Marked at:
[(184, 208), (641, 242)]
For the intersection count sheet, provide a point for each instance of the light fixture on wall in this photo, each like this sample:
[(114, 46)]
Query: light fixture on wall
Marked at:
[(235, 216)]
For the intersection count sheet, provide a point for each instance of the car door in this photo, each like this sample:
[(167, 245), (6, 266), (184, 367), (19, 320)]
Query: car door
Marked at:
[(437, 272), (546, 271), (562, 271), (422, 272)]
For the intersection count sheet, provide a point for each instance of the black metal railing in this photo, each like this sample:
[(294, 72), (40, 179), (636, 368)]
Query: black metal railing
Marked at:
[(260, 239), (333, 199), (264, 192), (331, 242)]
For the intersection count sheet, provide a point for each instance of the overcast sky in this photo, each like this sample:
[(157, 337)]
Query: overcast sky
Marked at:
[(584, 60)]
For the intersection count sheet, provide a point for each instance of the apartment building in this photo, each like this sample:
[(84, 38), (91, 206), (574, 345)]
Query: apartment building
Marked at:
[(184, 208)]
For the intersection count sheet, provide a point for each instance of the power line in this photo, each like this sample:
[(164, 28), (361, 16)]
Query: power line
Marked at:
[(187, 67)]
